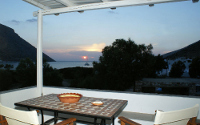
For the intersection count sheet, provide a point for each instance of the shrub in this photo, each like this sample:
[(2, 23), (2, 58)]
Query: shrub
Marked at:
[(6, 78), (177, 69)]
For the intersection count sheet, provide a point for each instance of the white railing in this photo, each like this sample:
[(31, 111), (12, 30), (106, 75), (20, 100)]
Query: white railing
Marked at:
[(137, 102)]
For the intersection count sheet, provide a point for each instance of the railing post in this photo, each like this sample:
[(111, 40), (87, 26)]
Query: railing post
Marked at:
[(39, 54)]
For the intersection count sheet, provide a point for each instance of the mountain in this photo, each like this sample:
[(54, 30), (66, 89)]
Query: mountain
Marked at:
[(14, 48), (190, 51)]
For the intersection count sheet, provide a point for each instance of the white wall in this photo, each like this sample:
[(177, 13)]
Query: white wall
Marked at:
[(143, 103), (8, 98), (137, 102)]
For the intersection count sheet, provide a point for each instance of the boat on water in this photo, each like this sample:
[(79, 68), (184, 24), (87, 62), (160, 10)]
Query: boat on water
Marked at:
[(87, 64)]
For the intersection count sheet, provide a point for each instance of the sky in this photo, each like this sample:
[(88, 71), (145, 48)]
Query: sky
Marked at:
[(70, 36)]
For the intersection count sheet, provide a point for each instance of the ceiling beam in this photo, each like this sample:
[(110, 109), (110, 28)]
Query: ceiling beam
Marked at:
[(37, 4), (66, 3), (104, 5), (105, 0)]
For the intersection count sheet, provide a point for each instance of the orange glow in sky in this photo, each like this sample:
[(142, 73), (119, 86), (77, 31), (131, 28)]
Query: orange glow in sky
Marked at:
[(84, 57)]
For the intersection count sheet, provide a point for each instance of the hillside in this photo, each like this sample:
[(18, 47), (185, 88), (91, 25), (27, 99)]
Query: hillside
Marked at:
[(190, 51), (14, 48)]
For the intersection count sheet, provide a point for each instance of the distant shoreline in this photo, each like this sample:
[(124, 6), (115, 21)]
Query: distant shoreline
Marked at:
[(57, 65)]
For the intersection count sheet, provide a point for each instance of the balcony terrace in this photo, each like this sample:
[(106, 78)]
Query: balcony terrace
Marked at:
[(140, 108), (139, 104)]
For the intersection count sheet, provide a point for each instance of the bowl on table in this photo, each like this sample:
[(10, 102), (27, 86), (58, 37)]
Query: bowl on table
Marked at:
[(69, 97)]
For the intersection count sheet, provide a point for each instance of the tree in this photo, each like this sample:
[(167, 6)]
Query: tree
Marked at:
[(1, 66), (8, 66), (177, 69), (194, 68), (122, 63), (26, 72), (6, 79), (160, 63), (51, 76)]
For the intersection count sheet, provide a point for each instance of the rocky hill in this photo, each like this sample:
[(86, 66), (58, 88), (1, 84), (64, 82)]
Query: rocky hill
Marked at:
[(190, 51), (14, 48)]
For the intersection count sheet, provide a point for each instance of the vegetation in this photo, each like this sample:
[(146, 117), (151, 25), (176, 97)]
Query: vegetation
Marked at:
[(120, 65), (78, 76), (26, 72), (160, 63), (194, 68), (1, 66), (25, 75), (51, 77), (6, 79), (8, 66), (177, 69)]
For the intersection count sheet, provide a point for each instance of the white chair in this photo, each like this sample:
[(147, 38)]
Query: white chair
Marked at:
[(17, 117), (180, 117)]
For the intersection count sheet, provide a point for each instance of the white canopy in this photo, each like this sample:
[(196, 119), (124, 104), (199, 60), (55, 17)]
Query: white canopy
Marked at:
[(56, 7), (65, 6)]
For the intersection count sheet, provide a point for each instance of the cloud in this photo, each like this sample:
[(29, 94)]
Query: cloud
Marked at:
[(154, 44), (56, 50), (31, 20), (94, 47), (160, 50), (74, 55), (112, 12), (166, 52), (16, 22)]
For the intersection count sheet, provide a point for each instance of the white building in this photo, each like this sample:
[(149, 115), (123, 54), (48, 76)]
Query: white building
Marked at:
[(186, 61)]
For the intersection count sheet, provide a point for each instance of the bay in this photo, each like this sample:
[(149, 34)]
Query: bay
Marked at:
[(66, 64), (57, 65)]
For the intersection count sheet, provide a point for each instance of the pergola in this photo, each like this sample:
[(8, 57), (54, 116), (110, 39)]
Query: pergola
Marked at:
[(56, 7)]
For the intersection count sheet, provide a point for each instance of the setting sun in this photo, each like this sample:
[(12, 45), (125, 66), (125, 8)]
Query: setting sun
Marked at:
[(84, 57)]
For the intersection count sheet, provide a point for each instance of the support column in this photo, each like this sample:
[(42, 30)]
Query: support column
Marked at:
[(39, 55)]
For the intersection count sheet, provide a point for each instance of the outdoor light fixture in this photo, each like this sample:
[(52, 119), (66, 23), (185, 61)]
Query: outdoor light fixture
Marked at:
[(194, 1), (81, 11), (114, 8), (151, 5)]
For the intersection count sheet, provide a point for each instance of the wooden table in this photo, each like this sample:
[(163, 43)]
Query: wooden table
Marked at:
[(108, 111)]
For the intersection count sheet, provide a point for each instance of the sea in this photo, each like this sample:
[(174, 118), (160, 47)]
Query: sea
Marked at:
[(57, 65)]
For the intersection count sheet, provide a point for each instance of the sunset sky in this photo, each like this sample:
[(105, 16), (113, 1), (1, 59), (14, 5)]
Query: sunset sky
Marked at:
[(70, 36)]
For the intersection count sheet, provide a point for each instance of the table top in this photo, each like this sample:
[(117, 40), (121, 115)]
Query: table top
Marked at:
[(108, 110)]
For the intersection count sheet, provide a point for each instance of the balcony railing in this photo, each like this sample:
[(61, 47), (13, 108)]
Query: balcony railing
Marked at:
[(138, 103)]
